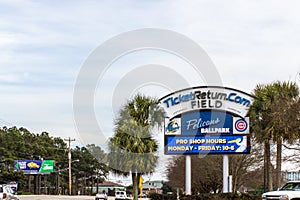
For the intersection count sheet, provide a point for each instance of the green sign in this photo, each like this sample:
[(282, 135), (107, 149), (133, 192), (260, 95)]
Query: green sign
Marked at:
[(47, 166)]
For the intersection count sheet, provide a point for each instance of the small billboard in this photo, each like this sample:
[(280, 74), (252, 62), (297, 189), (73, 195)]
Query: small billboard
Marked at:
[(35, 166)]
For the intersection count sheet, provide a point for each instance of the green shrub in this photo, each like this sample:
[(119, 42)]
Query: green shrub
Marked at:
[(221, 196), (24, 193)]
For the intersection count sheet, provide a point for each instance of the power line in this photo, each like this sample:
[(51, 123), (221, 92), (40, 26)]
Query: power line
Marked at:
[(6, 122)]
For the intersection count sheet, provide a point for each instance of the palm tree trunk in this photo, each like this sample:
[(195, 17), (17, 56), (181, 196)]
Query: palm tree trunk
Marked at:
[(268, 165), (135, 184), (278, 163), (235, 175), (265, 171)]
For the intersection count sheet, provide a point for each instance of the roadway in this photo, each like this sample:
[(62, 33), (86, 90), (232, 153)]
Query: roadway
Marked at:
[(61, 197), (54, 197)]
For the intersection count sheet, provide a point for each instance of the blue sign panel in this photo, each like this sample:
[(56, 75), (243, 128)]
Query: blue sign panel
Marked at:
[(206, 122), (223, 144)]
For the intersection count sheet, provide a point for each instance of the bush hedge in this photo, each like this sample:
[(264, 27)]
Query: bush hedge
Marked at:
[(229, 196)]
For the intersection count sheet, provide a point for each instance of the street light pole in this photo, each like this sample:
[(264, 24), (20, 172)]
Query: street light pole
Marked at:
[(70, 160)]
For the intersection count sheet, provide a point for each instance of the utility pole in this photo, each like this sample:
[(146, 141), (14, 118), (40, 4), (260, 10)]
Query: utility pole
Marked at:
[(70, 158)]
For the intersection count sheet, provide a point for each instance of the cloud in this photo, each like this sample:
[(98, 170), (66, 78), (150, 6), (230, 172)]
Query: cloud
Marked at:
[(13, 78)]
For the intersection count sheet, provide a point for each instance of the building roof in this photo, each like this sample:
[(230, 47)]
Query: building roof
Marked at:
[(153, 184), (111, 184)]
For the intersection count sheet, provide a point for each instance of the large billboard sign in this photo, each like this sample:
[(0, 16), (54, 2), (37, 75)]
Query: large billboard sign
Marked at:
[(35, 166), (207, 120), (207, 97)]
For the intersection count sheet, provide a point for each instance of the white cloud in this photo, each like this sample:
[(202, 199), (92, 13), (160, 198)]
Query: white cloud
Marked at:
[(13, 78)]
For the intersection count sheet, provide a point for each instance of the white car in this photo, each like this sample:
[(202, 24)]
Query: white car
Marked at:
[(290, 191), (6, 193), (100, 196), (120, 195)]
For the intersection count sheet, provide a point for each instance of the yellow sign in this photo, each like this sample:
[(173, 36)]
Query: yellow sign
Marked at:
[(33, 165), (141, 182)]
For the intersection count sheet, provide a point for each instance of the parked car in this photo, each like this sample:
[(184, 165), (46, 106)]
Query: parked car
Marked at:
[(289, 191), (6, 193), (100, 196), (120, 195)]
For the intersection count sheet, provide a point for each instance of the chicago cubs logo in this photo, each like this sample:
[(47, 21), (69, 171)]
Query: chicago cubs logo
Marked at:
[(241, 125)]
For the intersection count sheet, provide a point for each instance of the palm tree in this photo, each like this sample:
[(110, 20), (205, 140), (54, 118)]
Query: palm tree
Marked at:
[(259, 123), (272, 120), (132, 148), (283, 114)]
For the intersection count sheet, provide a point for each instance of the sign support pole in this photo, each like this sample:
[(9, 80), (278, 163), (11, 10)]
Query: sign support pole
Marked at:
[(230, 184), (188, 175), (225, 173)]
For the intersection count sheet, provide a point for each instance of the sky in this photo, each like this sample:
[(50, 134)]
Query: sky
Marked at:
[(45, 44)]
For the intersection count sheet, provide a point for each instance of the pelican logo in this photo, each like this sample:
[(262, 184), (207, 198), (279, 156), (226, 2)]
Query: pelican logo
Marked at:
[(173, 127)]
